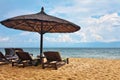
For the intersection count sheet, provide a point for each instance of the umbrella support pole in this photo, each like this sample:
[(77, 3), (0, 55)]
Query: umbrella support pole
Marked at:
[(41, 49), (41, 44)]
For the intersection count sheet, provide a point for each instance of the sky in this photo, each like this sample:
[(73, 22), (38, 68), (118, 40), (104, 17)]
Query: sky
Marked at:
[(99, 21)]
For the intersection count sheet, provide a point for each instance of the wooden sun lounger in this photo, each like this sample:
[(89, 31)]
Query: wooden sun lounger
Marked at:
[(4, 59), (24, 58), (54, 60)]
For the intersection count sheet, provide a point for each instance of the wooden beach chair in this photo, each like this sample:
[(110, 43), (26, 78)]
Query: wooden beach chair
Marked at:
[(9, 52), (3, 59), (24, 59), (54, 60)]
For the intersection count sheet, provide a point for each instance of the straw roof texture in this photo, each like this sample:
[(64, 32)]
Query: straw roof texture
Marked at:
[(33, 22)]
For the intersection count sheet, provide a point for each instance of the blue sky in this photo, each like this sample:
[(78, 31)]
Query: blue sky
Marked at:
[(99, 21)]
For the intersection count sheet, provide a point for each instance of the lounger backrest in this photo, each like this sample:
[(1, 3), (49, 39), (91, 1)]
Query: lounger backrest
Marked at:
[(24, 55), (52, 56), (9, 51), (19, 50), (1, 55)]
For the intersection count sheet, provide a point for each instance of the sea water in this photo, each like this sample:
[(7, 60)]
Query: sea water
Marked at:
[(106, 53)]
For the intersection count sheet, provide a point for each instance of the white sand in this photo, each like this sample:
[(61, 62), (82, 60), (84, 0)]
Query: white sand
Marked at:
[(77, 69)]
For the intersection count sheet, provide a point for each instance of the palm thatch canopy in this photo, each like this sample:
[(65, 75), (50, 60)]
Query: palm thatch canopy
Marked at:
[(33, 22)]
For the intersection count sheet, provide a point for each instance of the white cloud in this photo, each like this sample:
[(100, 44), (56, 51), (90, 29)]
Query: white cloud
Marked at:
[(85, 8), (100, 29), (25, 33), (61, 38), (4, 39), (29, 37), (23, 36)]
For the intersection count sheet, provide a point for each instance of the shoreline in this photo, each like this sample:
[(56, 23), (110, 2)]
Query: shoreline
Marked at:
[(77, 69), (80, 53)]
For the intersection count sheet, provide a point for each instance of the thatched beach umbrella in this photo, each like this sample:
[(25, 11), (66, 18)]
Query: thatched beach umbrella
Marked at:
[(41, 23)]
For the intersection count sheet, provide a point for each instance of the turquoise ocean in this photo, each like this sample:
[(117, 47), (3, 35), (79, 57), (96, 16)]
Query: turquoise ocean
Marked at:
[(104, 53)]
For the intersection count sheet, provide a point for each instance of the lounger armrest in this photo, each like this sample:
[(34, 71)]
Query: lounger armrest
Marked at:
[(66, 60), (8, 55), (53, 62)]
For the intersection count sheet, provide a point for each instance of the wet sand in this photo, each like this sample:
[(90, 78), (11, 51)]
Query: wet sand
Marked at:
[(77, 69)]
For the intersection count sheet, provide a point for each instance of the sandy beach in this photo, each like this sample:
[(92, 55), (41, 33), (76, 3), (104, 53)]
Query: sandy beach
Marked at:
[(77, 69)]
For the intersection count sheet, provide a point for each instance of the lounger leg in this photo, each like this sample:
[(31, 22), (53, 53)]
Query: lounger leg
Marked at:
[(67, 60), (55, 66), (43, 67), (23, 64), (13, 64)]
